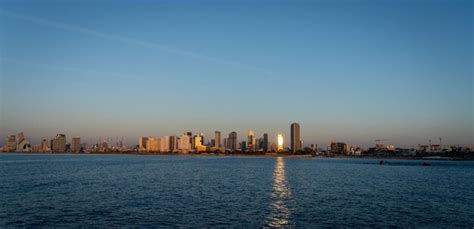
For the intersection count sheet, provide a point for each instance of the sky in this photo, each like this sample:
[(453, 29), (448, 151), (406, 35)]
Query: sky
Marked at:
[(351, 71)]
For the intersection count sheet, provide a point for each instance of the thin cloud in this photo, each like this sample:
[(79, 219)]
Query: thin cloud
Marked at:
[(148, 44)]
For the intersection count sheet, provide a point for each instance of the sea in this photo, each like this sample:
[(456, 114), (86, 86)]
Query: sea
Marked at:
[(86, 190)]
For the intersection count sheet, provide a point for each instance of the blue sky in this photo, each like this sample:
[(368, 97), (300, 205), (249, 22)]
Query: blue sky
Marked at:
[(350, 71)]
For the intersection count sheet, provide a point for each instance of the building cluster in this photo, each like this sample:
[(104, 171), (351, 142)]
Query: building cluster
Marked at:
[(18, 143), (58, 144), (189, 143)]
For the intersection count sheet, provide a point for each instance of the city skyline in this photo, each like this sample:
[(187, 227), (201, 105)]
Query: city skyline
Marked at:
[(349, 72), (250, 142), (236, 113)]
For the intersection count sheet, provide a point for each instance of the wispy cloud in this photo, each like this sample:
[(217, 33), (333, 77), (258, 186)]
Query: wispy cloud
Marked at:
[(143, 43)]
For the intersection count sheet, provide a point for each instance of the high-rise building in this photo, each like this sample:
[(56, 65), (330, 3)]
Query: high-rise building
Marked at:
[(76, 144), (165, 144), (265, 142), (232, 141), (190, 135), (153, 144), (217, 139), (295, 137), (142, 143), (184, 145), (59, 143), (339, 147), (45, 146), (10, 143), (251, 141), (243, 146), (202, 138), (22, 144), (258, 144), (197, 141), (173, 143), (280, 146)]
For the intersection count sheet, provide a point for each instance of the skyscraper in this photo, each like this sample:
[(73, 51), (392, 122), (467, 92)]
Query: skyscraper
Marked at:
[(243, 146), (217, 139), (173, 143), (59, 143), (265, 142), (153, 144), (232, 141), (76, 144), (165, 144), (197, 141), (184, 143), (280, 146), (295, 137), (190, 135), (251, 141), (142, 143)]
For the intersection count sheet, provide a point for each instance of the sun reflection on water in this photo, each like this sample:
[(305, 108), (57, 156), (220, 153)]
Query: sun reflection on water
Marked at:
[(280, 212)]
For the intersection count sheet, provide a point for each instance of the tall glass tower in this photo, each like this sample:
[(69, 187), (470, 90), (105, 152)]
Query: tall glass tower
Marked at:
[(295, 137)]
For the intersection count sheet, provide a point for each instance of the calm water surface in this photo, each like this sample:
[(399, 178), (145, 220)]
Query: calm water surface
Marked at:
[(132, 190)]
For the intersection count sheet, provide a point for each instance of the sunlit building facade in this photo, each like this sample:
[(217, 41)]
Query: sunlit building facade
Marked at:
[(184, 143), (217, 139), (153, 144), (197, 141), (251, 141), (280, 146), (142, 143), (165, 144)]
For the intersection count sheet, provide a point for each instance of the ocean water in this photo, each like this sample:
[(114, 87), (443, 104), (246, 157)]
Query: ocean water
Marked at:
[(192, 191)]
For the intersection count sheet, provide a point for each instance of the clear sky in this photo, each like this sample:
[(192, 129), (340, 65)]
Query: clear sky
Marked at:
[(352, 71)]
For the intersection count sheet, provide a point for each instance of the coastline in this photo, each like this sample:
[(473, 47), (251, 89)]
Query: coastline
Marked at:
[(286, 155)]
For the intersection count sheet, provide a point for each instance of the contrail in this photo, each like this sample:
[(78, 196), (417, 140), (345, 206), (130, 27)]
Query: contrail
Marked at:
[(114, 37)]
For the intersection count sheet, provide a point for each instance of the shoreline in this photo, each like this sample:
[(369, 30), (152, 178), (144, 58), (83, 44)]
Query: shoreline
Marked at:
[(286, 155)]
